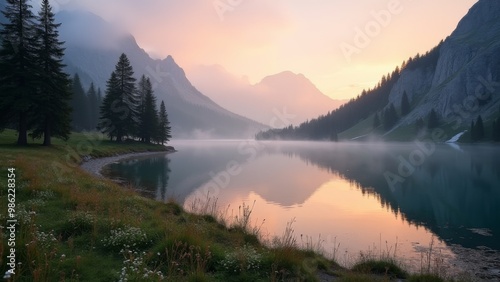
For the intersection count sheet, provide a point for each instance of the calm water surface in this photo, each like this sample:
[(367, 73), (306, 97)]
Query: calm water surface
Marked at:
[(353, 197)]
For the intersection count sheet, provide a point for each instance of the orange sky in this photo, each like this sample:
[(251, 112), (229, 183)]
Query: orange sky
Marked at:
[(256, 38)]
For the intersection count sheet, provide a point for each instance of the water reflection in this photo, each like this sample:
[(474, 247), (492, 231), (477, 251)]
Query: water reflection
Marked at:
[(451, 192), (359, 195), (149, 174)]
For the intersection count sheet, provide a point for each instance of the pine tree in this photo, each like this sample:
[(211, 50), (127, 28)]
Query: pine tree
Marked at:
[(473, 134), (79, 104), (405, 105), (18, 68), (164, 130), (390, 117), (93, 107), (141, 91), (109, 113), (52, 109), (496, 130), (128, 98), (148, 125), (479, 128), (119, 111), (433, 120)]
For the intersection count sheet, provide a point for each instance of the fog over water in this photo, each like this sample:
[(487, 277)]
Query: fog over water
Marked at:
[(366, 197)]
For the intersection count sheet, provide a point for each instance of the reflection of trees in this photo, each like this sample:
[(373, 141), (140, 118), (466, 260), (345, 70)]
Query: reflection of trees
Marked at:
[(149, 175), (449, 193), (176, 175)]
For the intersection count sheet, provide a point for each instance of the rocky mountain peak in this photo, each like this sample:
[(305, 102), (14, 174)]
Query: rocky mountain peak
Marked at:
[(482, 13)]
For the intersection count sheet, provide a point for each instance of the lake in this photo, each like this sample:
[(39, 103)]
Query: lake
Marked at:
[(375, 198)]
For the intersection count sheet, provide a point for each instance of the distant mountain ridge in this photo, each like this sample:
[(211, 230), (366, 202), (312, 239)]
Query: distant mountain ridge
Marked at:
[(92, 50), (285, 93), (459, 80)]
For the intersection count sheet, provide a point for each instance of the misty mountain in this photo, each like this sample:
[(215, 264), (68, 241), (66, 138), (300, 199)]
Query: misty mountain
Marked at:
[(285, 92), (92, 50), (465, 80), (459, 79)]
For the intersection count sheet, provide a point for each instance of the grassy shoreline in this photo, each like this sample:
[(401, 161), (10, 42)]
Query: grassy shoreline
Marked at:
[(73, 226)]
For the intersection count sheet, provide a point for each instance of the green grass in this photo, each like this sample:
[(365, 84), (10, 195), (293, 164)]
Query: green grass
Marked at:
[(75, 227)]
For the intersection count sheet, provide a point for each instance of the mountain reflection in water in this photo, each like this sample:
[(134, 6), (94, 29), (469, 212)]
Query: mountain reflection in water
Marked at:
[(364, 196)]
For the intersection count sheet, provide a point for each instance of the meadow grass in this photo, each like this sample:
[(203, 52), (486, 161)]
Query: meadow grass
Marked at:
[(73, 226)]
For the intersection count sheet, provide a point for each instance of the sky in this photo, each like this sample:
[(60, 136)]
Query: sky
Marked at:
[(342, 46)]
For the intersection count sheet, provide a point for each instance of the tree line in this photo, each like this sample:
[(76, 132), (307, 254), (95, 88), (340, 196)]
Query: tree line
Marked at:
[(478, 132), (39, 98), (129, 110), (85, 105)]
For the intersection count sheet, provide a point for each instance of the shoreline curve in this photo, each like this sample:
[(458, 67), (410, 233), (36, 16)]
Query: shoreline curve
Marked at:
[(95, 166)]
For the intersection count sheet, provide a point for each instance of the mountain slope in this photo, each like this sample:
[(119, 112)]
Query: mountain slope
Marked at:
[(462, 86), (283, 92), (2, 17), (92, 49), (459, 79)]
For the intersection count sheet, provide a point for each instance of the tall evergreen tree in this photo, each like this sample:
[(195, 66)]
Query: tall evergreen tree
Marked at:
[(390, 117), (52, 109), (142, 89), (79, 104), (93, 105), (479, 128), (473, 133), (148, 125), (119, 111), (18, 69), (496, 130), (433, 120), (405, 105), (128, 97), (164, 129), (110, 114)]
